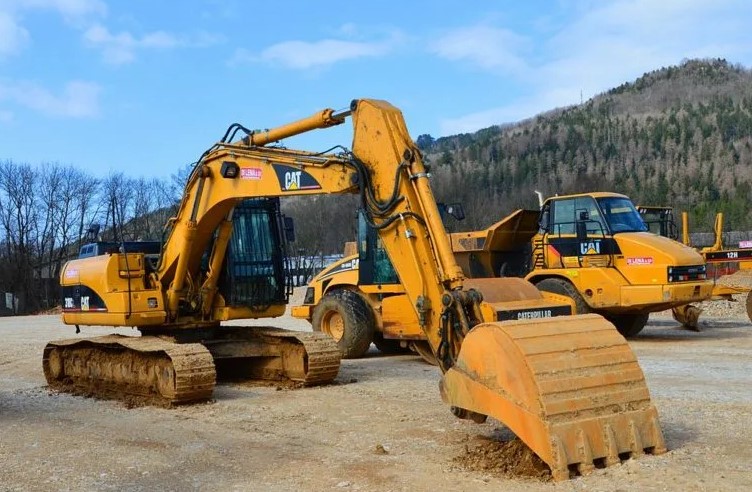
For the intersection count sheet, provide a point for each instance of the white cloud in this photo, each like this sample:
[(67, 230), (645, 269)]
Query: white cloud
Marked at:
[(78, 99), (12, 35), (121, 48), (70, 9), (487, 47), (606, 44), (302, 55)]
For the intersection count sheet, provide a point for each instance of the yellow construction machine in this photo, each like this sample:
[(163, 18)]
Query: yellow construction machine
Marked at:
[(366, 274), (593, 248), (569, 387), (729, 268)]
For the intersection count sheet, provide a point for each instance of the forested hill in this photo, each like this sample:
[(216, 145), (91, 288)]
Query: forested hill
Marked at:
[(679, 136)]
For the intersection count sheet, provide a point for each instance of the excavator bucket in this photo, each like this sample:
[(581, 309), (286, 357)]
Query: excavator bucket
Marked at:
[(569, 387)]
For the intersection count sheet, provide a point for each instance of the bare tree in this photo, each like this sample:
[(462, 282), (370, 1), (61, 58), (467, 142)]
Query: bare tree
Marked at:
[(18, 217)]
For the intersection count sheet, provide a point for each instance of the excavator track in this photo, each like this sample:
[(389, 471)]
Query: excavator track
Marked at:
[(275, 355), (138, 370), (569, 387)]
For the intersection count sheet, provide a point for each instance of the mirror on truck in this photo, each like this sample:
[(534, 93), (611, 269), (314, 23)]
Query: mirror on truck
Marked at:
[(288, 226)]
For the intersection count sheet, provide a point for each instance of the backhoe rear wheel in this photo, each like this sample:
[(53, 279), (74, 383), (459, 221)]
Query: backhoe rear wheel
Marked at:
[(629, 325), (422, 348), (564, 288), (346, 317)]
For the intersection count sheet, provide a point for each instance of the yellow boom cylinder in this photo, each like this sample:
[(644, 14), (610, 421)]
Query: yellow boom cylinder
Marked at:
[(323, 119)]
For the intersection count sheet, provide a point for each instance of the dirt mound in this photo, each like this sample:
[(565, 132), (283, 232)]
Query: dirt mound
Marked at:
[(508, 459), (740, 278)]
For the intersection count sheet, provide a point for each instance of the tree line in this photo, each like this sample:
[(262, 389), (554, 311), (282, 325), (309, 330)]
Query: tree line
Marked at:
[(46, 210)]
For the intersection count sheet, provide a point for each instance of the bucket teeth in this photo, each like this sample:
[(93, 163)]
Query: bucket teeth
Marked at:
[(635, 441), (569, 387), (585, 466), (612, 451)]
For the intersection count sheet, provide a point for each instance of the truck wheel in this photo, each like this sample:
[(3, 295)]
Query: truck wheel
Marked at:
[(347, 318), (387, 345), (422, 348), (749, 305), (629, 325), (564, 288)]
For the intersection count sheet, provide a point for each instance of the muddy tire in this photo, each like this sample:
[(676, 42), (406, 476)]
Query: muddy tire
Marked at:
[(387, 345), (629, 325), (749, 305), (346, 317), (564, 288)]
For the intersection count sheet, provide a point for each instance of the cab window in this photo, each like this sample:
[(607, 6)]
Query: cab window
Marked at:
[(567, 212)]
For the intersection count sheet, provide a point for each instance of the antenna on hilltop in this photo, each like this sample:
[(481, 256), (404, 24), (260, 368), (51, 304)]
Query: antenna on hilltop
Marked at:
[(580, 96)]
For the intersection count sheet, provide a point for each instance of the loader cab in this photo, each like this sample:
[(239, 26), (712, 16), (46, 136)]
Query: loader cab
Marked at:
[(256, 270), (374, 265)]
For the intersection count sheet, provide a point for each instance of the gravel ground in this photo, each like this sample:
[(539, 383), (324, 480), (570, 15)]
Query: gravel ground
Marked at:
[(382, 426)]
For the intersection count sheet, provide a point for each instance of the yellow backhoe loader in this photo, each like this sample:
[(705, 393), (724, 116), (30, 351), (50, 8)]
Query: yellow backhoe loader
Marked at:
[(569, 387), (366, 273)]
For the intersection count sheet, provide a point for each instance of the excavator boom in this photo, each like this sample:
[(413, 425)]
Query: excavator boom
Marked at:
[(571, 389)]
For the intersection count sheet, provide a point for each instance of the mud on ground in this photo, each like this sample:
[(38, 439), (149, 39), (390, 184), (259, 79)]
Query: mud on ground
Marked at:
[(381, 427)]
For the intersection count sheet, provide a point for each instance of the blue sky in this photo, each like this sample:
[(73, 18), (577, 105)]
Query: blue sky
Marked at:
[(144, 87)]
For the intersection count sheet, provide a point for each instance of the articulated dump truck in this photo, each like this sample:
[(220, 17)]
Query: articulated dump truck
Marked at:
[(569, 387), (595, 249)]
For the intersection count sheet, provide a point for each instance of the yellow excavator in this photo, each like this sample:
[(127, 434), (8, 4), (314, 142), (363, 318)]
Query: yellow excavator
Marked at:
[(569, 387)]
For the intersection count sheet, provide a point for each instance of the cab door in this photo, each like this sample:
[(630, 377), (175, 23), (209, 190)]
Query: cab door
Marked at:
[(575, 235)]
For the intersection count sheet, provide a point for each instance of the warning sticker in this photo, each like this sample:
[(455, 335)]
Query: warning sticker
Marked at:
[(645, 260), (250, 173)]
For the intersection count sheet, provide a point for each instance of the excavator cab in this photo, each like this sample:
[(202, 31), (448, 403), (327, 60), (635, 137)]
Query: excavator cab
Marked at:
[(256, 272)]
